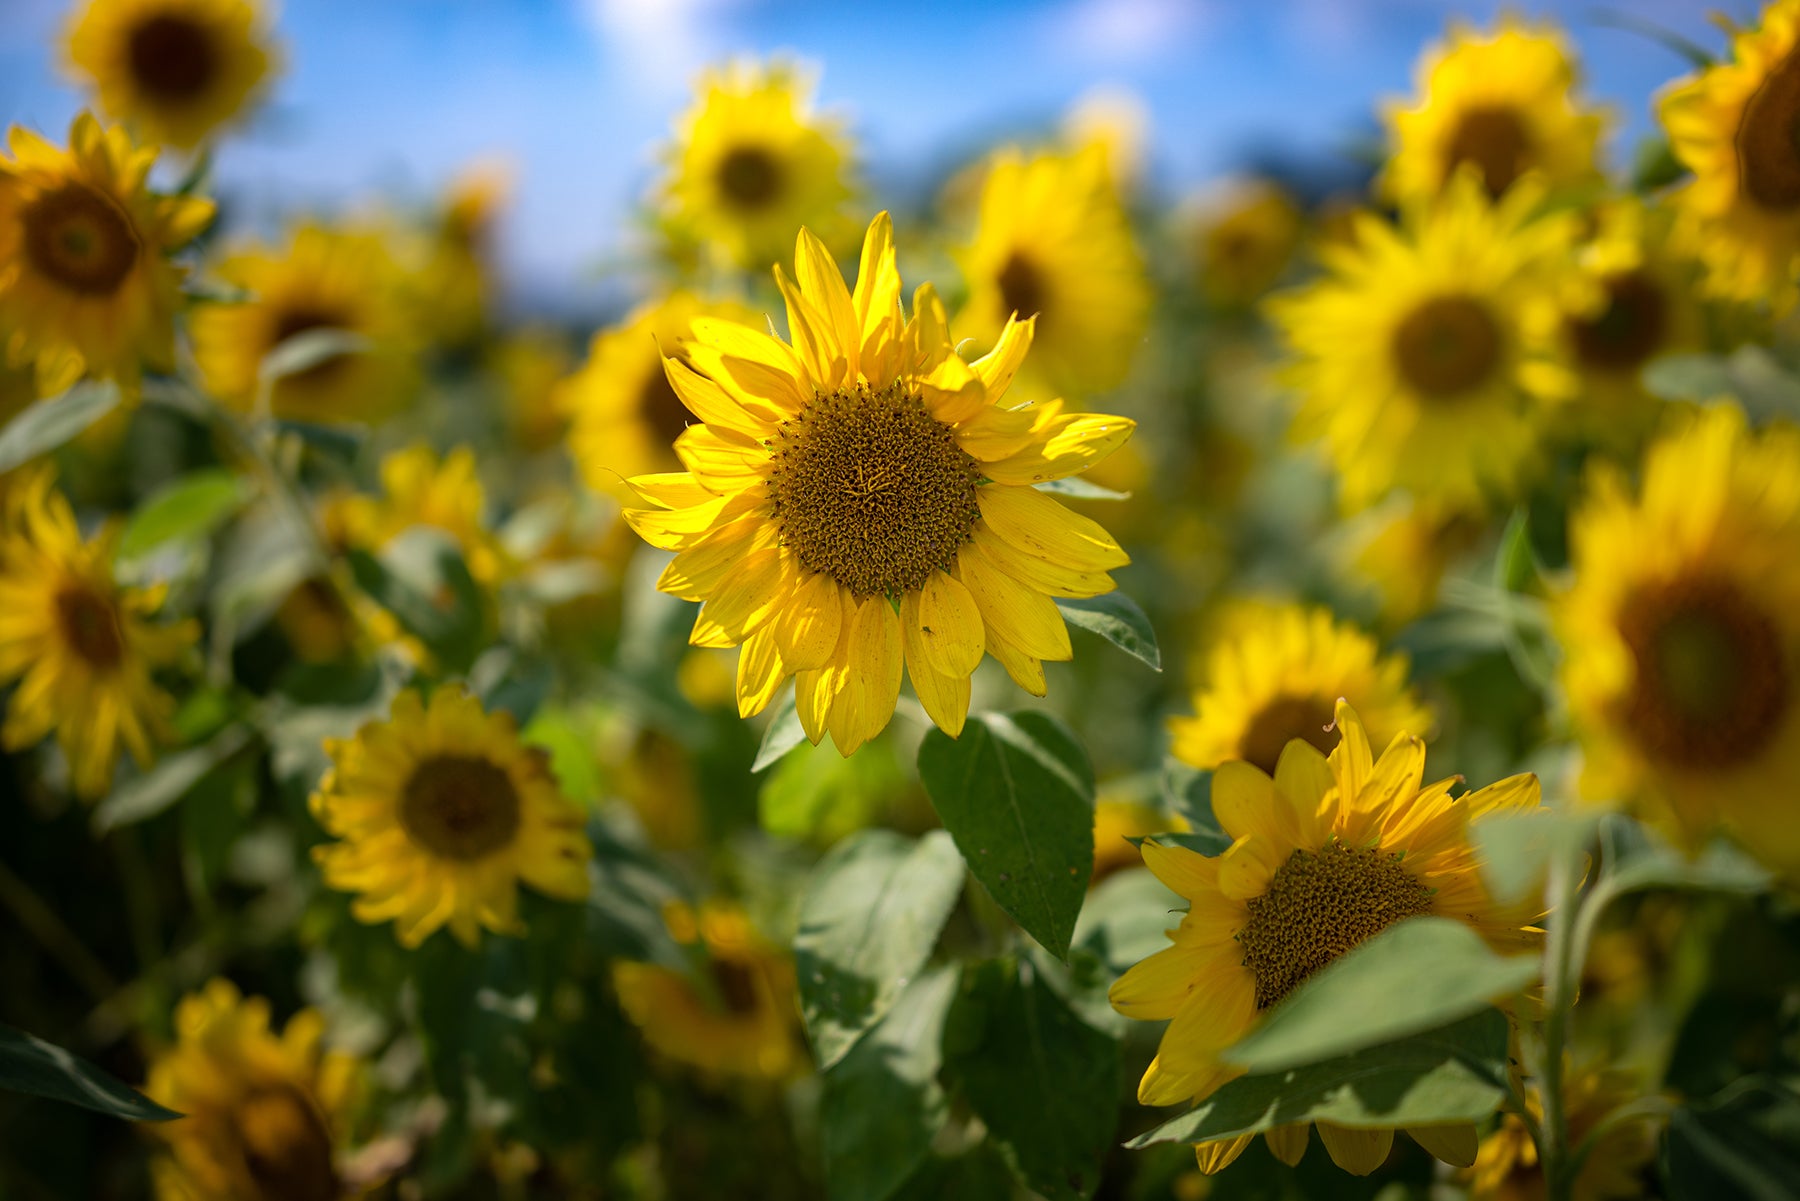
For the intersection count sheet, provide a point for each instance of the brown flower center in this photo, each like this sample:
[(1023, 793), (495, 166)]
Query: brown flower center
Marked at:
[(460, 807), (172, 58), (736, 984), (1321, 904), (80, 238), (872, 490), (660, 407), (286, 1147), (1496, 140), (1712, 682), (750, 177), (1629, 329), (90, 623), (1283, 719), (1768, 139), (1447, 346), (1022, 289)]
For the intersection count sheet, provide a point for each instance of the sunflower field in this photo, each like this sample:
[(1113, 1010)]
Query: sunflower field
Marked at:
[(1029, 684)]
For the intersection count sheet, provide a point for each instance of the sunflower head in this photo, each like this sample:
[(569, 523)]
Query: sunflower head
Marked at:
[(419, 487), (1508, 1169), (1245, 236)]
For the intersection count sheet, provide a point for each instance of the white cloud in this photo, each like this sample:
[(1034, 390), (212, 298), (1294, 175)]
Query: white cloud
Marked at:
[(1125, 32), (660, 44)]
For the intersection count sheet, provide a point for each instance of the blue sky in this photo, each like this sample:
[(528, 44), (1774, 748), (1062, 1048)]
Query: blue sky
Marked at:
[(391, 97)]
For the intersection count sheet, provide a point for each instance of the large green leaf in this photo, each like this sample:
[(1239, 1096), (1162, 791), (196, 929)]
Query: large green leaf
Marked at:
[(1414, 976), (30, 1065), (1017, 794), (1744, 1143), (1118, 619), (47, 424), (187, 508), (818, 795), (171, 779), (868, 922)]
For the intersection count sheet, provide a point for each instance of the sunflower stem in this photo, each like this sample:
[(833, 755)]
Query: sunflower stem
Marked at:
[(1560, 966)]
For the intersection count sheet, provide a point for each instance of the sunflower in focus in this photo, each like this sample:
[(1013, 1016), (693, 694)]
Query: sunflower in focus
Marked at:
[(752, 162), (1502, 103), (442, 812), (734, 1015), (1681, 634), (1507, 1168), (1276, 907), (265, 1113), (324, 279), (176, 70), (86, 285), (1428, 355), (1278, 677), (860, 501), (80, 646), (1245, 236)]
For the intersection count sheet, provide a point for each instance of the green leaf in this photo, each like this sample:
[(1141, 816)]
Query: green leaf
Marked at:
[(1515, 848), (47, 424), (1767, 387), (1414, 976), (1453, 1074), (1080, 489), (820, 796), (1125, 916), (1744, 1143), (1187, 792), (571, 749), (881, 1104), (1045, 1083), (1654, 165), (868, 921), (1116, 618), (629, 890), (422, 580), (783, 733), (1017, 794), (308, 349), (31, 1065), (1719, 868), (1516, 564), (170, 780), (191, 507)]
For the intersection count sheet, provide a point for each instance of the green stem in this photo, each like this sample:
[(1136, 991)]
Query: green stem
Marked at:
[(1560, 965)]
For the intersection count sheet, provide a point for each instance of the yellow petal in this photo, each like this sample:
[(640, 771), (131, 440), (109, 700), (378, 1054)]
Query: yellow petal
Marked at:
[(1014, 613), (1288, 1143), (952, 392), (1358, 1152), (998, 366), (994, 433), (1244, 802), (811, 335), (1248, 865), (747, 598), (1052, 579), (696, 572), (806, 628), (1352, 757), (759, 673), (949, 625), (673, 529), (1154, 989), (877, 294), (822, 284), (928, 333), (1220, 1154), (1075, 443), (1027, 672), (872, 679), (709, 402), (1455, 1144), (945, 698), (1039, 525), (1187, 873)]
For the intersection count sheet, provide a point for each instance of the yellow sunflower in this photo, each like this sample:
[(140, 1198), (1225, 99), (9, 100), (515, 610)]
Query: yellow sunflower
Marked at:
[(324, 279), (1403, 551), (266, 1113), (862, 500), (421, 488), (456, 278), (752, 162), (1732, 126), (529, 366), (1116, 822), (443, 812), (1245, 236), (86, 285), (1681, 633), (1053, 242), (1428, 354), (1273, 909), (81, 647), (1279, 677), (1502, 102), (175, 69), (734, 1016), (1507, 1167)]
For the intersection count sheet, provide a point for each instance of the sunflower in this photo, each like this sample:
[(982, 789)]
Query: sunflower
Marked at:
[(1403, 551), (266, 1113), (529, 366), (1681, 633), (734, 1015), (175, 69), (752, 162), (1116, 822), (80, 646), (1273, 909), (1428, 354), (1278, 678), (861, 500), (1504, 103), (86, 285), (421, 488), (1053, 242), (325, 279), (442, 812), (1245, 236), (1732, 126), (1507, 1168), (454, 281)]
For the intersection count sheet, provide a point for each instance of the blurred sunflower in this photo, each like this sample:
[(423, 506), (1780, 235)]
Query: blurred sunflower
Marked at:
[(1116, 822), (175, 69), (860, 501), (324, 279), (86, 285), (752, 163), (735, 1015), (443, 812), (1681, 633), (1279, 676), (529, 365), (421, 488), (1507, 1168), (1428, 353), (1275, 908), (1404, 549), (454, 283), (1502, 103), (80, 646), (1245, 236), (265, 1113)]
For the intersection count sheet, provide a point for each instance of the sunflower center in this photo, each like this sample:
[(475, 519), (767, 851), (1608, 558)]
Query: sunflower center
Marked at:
[(1628, 330), (736, 984), (1321, 904), (1495, 139), (172, 58), (1283, 719), (91, 626), (1022, 288), (460, 807), (1768, 139), (78, 237), (660, 408), (750, 177), (1446, 346), (1712, 681), (291, 323), (287, 1150), (872, 490)]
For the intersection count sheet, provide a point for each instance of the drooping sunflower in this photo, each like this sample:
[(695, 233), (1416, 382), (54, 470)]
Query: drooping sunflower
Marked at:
[(265, 1113), (176, 70), (1504, 103), (862, 500), (442, 813), (1680, 634), (1427, 356), (752, 162), (1275, 908), (324, 279), (81, 647), (1279, 677), (1507, 1168), (1245, 235), (86, 285)]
